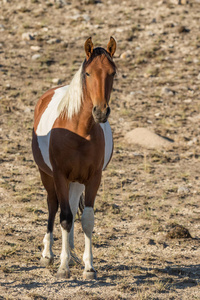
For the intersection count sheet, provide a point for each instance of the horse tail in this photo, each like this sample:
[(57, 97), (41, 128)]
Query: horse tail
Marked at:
[(81, 203)]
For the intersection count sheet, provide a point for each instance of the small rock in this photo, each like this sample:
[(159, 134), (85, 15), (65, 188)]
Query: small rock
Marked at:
[(53, 41), (2, 28), (86, 18), (60, 2), (119, 30), (115, 208), (178, 231), (56, 80), (187, 100), (150, 33), (147, 139), (35, 48), (168, 91), (126, 54), (193, 141), (183, 191), (183, 29), (27, 110), (45, 29), (27, 36), (183, 2), (35, 56), (8, 86), (137, 154), (195, 119), (121, 120), (198, 77), (151, 242)]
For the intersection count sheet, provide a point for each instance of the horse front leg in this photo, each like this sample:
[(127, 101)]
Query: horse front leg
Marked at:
[(88, 225), (66, 219)]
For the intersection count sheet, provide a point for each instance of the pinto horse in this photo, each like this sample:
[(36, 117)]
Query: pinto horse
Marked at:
[(72, 143)]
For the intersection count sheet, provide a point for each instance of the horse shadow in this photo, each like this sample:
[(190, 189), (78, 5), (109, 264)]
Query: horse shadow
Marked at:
[(179, 277)]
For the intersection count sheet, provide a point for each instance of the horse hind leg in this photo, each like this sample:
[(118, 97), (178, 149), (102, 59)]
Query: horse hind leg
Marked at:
[(52, 201)]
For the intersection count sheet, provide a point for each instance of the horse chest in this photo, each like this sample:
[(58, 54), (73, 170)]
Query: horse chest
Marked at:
[(78, 156)]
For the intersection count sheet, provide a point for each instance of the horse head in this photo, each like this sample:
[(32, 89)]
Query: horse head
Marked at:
[(99, 71)]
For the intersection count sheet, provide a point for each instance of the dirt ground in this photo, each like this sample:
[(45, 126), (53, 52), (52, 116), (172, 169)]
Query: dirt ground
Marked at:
[(148, 198)]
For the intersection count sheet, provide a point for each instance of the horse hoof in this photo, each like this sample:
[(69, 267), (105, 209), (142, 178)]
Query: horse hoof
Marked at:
[(45, 261), (89, 275), (63, 273)]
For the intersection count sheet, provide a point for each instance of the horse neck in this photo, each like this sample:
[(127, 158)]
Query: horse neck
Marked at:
[(85, 118), (82, 122)]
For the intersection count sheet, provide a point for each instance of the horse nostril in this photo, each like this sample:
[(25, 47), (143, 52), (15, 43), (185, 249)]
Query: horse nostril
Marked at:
[(94, 108)]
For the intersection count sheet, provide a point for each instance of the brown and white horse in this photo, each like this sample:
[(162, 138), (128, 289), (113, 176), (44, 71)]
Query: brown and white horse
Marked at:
[(72, 143)]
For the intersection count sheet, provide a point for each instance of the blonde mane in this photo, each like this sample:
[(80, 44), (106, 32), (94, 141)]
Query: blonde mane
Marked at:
[(71, 102)]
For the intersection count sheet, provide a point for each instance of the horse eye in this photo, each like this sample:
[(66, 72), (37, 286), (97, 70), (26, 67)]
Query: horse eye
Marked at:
[(87, 74)]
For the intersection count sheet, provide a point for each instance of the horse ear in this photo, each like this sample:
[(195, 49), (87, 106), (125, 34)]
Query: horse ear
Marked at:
[(88, 47), (111, 48)]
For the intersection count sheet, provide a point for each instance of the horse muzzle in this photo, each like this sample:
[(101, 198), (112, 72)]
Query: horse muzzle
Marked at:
[(100, 116)]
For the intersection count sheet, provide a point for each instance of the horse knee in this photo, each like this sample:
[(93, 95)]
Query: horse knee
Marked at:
[(66, 220), (87, 220)]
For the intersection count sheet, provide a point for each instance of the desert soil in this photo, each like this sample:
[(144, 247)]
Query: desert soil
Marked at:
[(149, 197)]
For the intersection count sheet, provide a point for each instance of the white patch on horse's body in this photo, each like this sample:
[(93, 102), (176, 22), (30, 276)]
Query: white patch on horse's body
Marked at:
[(108, 142), (46, 123), (66, 100)]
